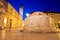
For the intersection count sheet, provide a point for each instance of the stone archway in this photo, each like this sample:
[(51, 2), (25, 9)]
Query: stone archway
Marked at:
[(10, 23)]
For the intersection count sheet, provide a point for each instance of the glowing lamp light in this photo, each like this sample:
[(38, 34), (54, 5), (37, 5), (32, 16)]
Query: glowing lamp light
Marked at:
[(27, 14), (5, 20), (59, 21), (23, 24)]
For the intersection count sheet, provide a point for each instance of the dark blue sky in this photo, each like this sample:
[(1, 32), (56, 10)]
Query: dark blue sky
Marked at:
[(36, 5)]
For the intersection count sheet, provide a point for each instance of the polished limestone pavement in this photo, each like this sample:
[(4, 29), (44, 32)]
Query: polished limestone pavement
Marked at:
[(16, 34)]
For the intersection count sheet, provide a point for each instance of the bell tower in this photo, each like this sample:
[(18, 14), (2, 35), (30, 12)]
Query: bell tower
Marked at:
[(21, 10)]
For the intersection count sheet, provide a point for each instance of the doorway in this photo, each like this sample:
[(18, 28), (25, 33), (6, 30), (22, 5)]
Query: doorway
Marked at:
[(10, 23)]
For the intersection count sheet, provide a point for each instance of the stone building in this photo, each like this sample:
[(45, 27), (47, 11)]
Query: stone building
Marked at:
[(14, 18), (38, 20), (9, 17), (3, 9), (55, 16)]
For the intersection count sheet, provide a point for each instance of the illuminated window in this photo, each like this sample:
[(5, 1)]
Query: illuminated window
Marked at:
[(11, 10)]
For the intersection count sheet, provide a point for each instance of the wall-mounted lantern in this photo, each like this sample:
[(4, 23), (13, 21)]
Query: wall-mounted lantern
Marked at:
[(5, 20)]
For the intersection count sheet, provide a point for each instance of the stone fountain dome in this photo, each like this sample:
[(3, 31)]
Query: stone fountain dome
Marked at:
[(39, 23)]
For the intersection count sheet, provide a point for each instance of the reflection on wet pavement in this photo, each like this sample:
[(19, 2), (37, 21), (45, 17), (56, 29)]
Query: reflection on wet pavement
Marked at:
[(10, 35), (3, 34)]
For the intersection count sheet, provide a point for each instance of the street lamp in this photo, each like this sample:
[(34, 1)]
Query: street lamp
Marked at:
[(59, 24), (5, 20), (27, 14), (59, 21)]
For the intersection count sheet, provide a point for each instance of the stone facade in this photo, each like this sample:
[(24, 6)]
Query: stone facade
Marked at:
[(9, 17), (3, 10), (39, 23), (39, 27)]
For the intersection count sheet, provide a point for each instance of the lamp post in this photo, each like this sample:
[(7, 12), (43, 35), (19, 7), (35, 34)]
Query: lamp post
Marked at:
[(59, 24)]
